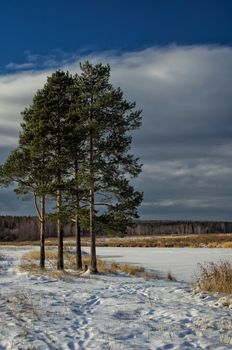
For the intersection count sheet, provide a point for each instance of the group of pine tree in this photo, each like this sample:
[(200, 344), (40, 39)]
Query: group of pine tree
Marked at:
[(74, 151)]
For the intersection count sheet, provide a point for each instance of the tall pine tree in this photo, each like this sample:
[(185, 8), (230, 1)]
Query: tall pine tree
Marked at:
[(108, 120), (26, 166), (56, 110)]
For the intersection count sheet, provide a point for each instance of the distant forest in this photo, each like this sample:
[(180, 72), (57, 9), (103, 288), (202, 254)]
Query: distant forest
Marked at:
[(24, 228), (168, 227)]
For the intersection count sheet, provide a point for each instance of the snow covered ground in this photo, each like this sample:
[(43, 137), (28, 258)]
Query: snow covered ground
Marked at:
[(109, 312)]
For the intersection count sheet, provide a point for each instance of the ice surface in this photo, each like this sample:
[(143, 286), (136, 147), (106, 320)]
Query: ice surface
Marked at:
[(182, 262)]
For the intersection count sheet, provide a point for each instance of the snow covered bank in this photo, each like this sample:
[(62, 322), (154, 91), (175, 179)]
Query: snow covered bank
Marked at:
[(107, 312)]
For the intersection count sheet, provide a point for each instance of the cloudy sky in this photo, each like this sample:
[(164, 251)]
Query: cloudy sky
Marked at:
[(174, 58)]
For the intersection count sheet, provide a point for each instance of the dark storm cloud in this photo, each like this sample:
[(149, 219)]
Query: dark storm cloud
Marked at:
[(186, 139), (185, 142), (10, 204)]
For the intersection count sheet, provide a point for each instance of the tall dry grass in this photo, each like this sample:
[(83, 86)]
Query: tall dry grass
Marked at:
[(30, 263), (216, 277), (191, 241)]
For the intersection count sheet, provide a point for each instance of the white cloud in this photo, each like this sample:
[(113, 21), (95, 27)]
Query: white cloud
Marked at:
[(186, 96), (16, 66)]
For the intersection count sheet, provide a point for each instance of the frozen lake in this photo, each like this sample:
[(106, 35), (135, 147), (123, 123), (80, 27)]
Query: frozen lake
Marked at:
[(182, 262)]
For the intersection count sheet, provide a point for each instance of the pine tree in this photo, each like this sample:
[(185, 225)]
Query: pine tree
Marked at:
[(108, 120), (75, 188), (25, 165), (59, 130), (120, 214), (32, 142), (41, 162)]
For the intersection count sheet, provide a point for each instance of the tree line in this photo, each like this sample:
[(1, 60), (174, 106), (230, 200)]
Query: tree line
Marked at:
[(74, 149), (178, 227), (25, 228)]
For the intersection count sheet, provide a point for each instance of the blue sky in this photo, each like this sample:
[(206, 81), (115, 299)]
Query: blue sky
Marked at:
[(57, 26), (174, 58)]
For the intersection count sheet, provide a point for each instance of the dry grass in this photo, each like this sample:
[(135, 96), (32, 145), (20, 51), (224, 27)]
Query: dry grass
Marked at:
[(216, 277), (191, 241), (2, 260), (30, 263), (227, 245), (150, 275), (34, 255), (130, 269), (170, 276)]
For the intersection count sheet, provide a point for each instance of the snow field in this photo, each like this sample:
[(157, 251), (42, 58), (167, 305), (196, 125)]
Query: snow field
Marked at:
[(106, 312)]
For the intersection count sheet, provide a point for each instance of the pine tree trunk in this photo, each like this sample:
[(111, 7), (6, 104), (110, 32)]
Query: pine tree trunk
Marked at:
[(93, 266), (42, 231), (60, 260), (77, 223), (78, 244), (92, 233)]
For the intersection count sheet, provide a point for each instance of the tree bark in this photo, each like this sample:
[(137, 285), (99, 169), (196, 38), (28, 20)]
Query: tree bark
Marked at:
[(93, 266), (77, 223), (60, 259), (42, 231), (78, 243)]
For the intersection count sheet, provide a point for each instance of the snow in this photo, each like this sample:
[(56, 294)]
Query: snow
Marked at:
[(112, 312)]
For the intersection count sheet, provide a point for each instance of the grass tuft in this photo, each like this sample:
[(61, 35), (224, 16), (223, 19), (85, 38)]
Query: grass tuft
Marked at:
[(150, 276), (216, 277), (170, 276), (227, 245), (130, 269)]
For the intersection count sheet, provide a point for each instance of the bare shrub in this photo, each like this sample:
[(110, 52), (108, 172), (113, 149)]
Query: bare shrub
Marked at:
[(216, 277)]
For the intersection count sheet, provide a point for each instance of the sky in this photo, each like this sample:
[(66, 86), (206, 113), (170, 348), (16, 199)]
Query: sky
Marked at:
[(174, 58)]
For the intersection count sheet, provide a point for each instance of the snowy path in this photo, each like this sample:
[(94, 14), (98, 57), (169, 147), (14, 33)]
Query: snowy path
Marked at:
[(106, 312)]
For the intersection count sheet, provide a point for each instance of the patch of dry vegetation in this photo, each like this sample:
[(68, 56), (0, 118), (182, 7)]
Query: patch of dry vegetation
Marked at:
[(170, 276), (227, 245), (2, 261), (149, 275), (216, 277), (191, 241), (131, 270), (30, 263)]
